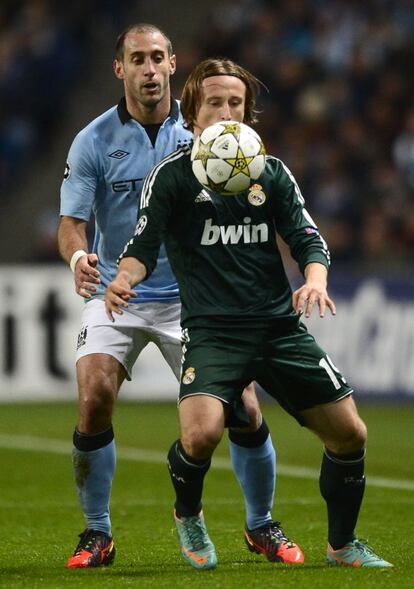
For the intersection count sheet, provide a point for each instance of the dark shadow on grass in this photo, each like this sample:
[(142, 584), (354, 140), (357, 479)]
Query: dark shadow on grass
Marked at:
[(269, 565)]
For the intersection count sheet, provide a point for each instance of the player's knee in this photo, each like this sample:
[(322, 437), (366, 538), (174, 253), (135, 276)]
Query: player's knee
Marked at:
[(350, 439), (96, 400), (200, 442), (361, 434)]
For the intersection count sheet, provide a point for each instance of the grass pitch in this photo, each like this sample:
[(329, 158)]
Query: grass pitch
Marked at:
[(40, 517)]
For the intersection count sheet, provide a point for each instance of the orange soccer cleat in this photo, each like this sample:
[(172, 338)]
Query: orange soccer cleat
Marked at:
[(95, 549), (272, 541)]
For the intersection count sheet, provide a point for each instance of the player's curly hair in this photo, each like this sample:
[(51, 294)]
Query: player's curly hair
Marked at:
[(191, 95)]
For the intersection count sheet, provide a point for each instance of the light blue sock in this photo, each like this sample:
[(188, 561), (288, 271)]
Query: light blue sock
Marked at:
[(255, 469), (94, 471)]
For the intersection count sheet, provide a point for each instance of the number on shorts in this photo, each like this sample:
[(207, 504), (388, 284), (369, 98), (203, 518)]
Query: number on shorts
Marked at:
[(330, 368)]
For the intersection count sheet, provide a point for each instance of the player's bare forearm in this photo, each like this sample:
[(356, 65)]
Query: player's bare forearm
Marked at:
[(316, 273), (72, 238), (314, 291), (130, 273)]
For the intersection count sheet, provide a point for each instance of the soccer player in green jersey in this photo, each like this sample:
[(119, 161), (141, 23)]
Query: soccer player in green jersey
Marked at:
[(241, 320)]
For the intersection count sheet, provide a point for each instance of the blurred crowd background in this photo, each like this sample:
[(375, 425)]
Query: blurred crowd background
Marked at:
[(44, 50), (338, 110)]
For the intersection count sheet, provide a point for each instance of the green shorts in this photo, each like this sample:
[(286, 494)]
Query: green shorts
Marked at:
[(290, 367)]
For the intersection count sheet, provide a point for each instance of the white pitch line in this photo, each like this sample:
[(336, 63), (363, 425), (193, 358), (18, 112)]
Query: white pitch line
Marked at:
[(56, 446)]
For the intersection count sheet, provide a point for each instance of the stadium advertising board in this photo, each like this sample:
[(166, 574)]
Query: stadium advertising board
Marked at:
[(371, 339)]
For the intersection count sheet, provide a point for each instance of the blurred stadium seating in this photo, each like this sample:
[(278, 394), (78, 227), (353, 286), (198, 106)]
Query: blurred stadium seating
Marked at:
[(339, 110)]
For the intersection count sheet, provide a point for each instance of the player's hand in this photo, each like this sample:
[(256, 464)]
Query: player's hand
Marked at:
[(311, 293), (117, 296), (86, 275)]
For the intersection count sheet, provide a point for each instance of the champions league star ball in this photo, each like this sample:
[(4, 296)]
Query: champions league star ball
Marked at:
[(228, 157)]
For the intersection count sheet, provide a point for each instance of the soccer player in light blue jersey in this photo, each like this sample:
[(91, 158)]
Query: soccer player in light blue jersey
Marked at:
[(106, 166)]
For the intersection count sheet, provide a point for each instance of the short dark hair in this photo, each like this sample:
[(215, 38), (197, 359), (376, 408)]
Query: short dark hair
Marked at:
[(191, 95), (139, 28)]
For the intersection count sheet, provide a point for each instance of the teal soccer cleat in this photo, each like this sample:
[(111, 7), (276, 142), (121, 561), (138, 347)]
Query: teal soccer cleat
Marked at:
[(196, 546), (355, 554)]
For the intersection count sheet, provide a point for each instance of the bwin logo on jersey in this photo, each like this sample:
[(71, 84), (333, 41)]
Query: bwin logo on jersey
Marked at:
[(233, 234)]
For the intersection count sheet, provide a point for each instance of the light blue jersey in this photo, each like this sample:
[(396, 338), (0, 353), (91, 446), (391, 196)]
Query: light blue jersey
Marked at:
[(107, 164)]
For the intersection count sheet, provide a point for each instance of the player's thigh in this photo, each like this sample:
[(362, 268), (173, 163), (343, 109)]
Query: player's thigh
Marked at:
[(297, 372), (216, 363), (166, 334), (252, 408), (99, 375), (337, 424), (123, 339)]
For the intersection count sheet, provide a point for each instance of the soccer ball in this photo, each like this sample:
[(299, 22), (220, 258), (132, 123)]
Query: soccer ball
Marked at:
[(228, 157)]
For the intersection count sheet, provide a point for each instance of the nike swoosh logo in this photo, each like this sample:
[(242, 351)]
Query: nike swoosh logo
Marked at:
[(354, 563), (197, 559)]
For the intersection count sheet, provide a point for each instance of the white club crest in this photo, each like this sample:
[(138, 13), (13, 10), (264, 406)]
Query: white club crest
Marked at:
[(189, 375), (256, 196), (142, 223)]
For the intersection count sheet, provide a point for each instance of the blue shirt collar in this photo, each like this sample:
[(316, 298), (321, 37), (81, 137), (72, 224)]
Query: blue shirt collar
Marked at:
[(124, 115)]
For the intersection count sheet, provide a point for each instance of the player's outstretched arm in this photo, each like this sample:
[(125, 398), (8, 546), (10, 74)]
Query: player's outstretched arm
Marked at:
[(73, 247), (130, 273), (314, 291)]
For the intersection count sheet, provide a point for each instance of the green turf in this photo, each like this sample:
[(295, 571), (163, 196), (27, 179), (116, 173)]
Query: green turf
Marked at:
[(40, 518)]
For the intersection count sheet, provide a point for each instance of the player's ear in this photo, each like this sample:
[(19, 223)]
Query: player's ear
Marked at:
[(173, 64), (118, 69)]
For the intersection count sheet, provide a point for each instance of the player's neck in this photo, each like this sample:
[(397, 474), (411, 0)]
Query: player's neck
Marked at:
[(148, 115)]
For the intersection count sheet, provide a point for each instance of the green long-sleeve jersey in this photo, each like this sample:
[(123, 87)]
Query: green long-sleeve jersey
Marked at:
[(223, 249)]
